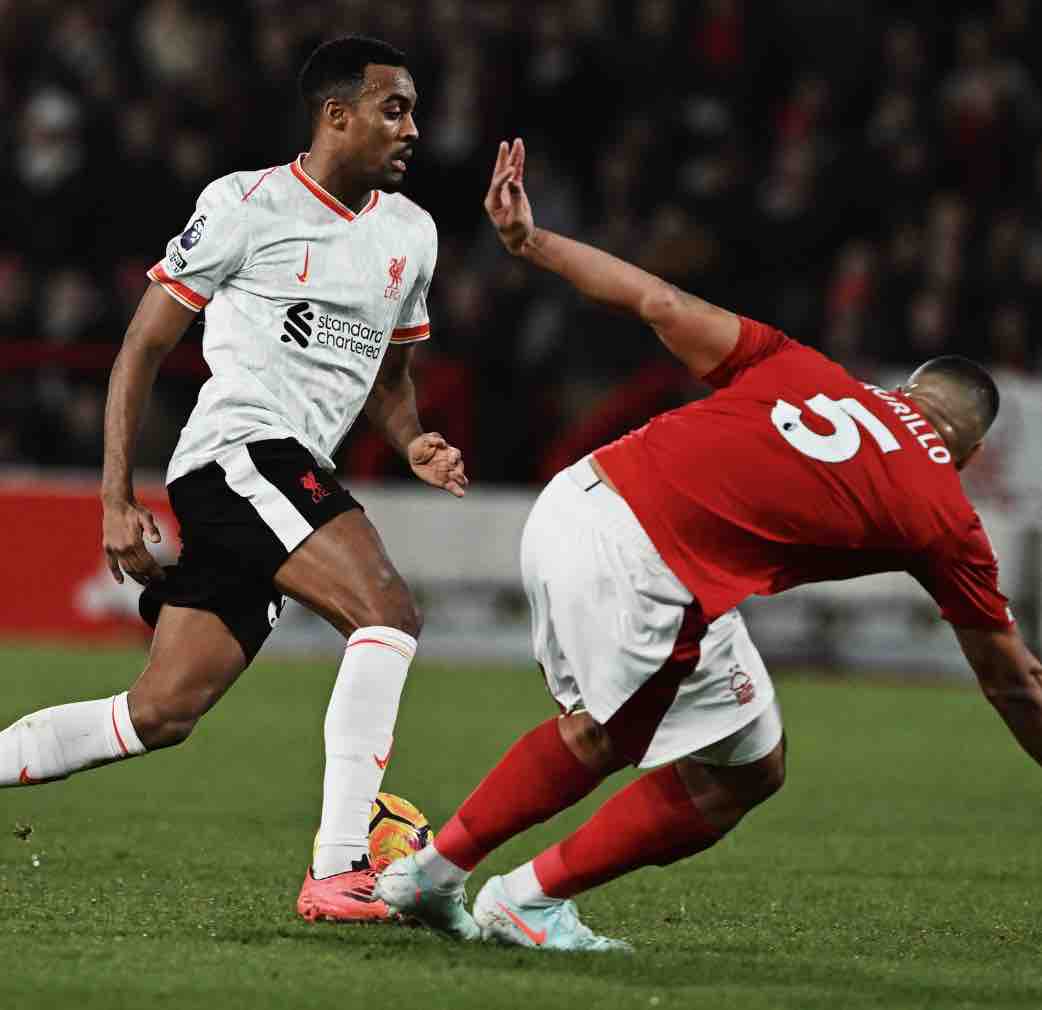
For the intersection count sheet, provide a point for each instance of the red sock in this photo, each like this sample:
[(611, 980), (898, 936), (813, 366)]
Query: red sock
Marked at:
[(537, 778), (652, 822)]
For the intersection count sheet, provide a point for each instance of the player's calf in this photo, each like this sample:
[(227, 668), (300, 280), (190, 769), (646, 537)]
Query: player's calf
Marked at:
[(193, 661), (539, 776)]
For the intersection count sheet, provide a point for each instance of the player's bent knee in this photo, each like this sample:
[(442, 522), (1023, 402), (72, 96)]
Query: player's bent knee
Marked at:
[(166, 721), (157, 726), (410, 619), (590, 742), (395, 608), (173, 732)]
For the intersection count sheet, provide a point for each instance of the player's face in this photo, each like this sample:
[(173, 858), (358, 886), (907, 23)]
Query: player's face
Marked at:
[(381, 133)]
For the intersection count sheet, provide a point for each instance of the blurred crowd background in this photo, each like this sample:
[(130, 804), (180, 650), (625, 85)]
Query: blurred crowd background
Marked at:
[(865, 175)]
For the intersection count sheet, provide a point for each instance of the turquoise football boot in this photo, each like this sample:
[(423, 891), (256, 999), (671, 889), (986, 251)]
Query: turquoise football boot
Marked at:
[(553, 926), (406, 889)]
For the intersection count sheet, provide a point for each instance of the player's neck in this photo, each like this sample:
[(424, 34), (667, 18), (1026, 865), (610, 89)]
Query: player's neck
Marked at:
[(336, 178), (937, 416)]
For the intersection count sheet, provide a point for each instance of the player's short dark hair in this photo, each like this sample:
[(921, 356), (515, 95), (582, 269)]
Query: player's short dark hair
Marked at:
[(973, 395), (336, 69)]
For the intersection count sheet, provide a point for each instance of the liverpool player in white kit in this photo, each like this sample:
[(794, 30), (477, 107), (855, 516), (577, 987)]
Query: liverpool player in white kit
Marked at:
[(314, 276)]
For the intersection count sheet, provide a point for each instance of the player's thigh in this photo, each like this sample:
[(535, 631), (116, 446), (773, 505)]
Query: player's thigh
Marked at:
[(193, 661), (342, 572)]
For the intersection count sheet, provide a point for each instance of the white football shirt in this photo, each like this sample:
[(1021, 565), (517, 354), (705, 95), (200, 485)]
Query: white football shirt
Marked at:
[(302, 299)]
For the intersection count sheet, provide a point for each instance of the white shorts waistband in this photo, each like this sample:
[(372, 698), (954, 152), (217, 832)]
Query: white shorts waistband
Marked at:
[(609, 505)]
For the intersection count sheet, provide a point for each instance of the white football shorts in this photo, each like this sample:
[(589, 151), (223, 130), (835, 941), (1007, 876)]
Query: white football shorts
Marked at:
[(607, 613)]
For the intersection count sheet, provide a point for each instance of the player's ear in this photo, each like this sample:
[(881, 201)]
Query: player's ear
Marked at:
[(335, 113), (965, 459)]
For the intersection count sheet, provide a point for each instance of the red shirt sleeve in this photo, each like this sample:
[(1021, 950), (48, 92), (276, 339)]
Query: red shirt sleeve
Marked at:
[(756, 341), (964, 580)]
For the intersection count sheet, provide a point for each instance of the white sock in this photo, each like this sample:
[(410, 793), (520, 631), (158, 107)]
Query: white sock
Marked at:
[(55, 742), (442, 872), (523, 887), (359, 730)]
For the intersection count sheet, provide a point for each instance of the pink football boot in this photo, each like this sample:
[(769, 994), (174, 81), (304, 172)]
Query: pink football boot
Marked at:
[(343, 897)]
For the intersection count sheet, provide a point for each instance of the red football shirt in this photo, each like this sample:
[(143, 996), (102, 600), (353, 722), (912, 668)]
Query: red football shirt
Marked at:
[(793, 471)]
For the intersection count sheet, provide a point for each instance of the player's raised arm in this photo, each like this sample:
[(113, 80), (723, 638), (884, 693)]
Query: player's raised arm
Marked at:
[(157, 326), (701, 335), (1011, 678)]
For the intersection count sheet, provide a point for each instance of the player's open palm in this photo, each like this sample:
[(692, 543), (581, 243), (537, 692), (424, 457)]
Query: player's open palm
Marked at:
[(124, 527), (506, 202), (435, 461)]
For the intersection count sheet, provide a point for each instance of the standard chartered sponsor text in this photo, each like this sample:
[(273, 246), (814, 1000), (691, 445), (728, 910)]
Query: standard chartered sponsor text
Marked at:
[(350, 335)]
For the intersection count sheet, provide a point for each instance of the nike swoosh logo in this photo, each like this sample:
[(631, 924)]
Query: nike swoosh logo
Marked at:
[(25, 778), (537, 938), (381, 763), (303, 278)]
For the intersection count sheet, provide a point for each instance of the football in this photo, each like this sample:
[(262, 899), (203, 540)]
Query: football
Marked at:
[(396, 829)]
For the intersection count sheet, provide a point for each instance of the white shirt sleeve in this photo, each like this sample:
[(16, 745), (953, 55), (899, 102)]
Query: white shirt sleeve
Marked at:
[(211, 248), (414, 322)]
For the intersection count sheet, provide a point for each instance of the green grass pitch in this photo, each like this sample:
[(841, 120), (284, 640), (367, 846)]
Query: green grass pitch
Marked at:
[(900, 867)]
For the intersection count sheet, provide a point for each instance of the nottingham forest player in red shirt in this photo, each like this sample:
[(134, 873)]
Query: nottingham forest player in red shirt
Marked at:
[(792, 471)]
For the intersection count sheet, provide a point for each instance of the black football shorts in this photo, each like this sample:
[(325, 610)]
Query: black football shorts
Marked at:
[(240, 519)]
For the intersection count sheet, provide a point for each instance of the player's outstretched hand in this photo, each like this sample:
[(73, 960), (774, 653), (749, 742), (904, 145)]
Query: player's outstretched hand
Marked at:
[(124, 526), (506, 202), (435, 461)]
